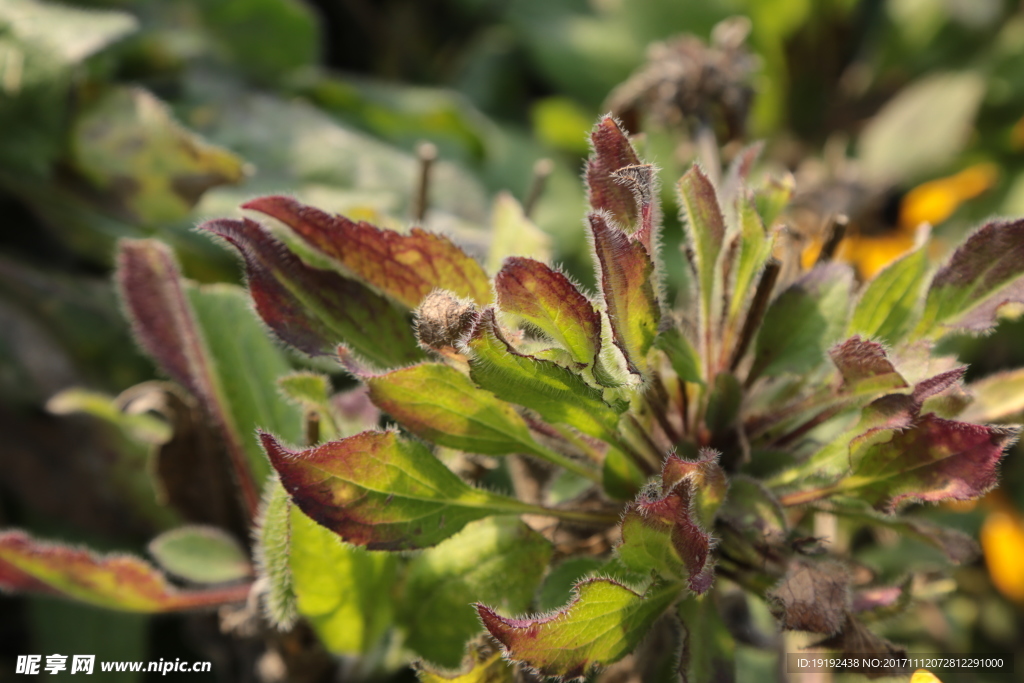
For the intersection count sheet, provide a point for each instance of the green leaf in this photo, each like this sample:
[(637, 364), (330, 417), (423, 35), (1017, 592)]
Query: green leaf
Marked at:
[(513, 234), (755, 249), (440, 404), (382, 492), (129, 147), (558, 394), (496, 561), (887, 308), (998, 397), (905, 138), (311, 392), (118, 582), (344, 591), (141, 427), (981, 281), (201, 554), (681, 354), (802, 321), (604, 622), (622, 478), (273, 549), (723, 403), (706, 232), (548, 300), (628, 286), (709, 651)]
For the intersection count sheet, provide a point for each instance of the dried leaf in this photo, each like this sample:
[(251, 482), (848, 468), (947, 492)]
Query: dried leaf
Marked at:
[(812, 596)]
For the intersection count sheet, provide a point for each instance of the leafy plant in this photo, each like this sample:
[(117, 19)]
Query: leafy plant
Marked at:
[(617, 470)]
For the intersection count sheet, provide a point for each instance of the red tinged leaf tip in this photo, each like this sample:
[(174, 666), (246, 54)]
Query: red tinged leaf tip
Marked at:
[(602, 624), (860, 360), (117, 582), (548, 300), (405, 267), (377, 490), (164, 324), (626, 276), (612, 152), (314, 309)]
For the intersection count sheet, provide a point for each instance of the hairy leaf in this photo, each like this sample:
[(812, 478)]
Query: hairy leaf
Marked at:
[(380, 491), (982, 277), (802, 321), (865, 366), (207, 340), (602, 624), (482, 665), (345, 592), (495, 561), (627, 282), (708, 479), (706, 232), (612, 151), (558, 394), (313, 309), (681, 354), (997, 397), (113, 581), (440, 404), (405, 267), (888, 306), (202, 554), (548, 300), (273, 547), (812, 596), (755, 248)]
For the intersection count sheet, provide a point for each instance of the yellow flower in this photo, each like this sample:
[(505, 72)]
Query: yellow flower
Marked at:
[(1002, 540), (924, 676)]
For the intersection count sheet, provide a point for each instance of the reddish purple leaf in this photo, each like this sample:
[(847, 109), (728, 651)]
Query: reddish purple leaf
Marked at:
[(314, 309), (164, 324), (627, 284), (612, 152), (865, 364), (119, 582), (405, 267), (708, 478), (548, 299)]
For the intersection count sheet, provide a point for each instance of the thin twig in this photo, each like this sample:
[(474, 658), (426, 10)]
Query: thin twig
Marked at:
[(541, 171), (312, 428), (758, 307), (836, 233), (426, 152)]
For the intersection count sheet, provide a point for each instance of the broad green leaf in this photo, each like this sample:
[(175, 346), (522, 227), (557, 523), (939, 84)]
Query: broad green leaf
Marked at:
[(440, 404), (887, 308), (548, 300), (118, 582), (997, 397), (405, 267), (344, 591), (755, 248), (314, 309), (207, 340), (802, 321), (604, 622), (628, 285), (495, 561), (380, 491), (141, 427), (710, 651), (558, 394), (201, 554), (482, 666), (905, 138), (681, 354), (513, 234), (982, 281), (129, 147), (705, 232), (311, 392)]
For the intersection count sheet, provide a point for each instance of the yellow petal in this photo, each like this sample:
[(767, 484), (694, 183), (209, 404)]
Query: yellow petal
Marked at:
[(1002, 540), (936, 200), (924, 676)]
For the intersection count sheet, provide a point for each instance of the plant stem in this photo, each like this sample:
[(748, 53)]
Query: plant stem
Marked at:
[(427, 154), (541, 170), (567, 463), (758, 307)]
